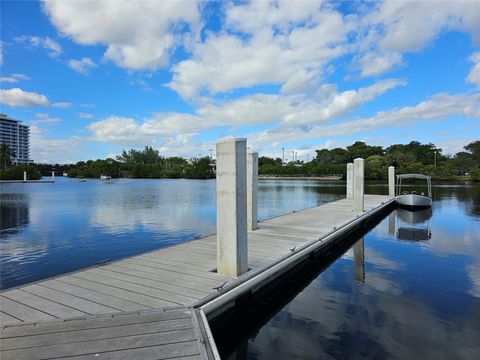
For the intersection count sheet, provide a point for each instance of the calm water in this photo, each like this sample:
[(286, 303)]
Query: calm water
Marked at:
[(51, 229), (409, 289)]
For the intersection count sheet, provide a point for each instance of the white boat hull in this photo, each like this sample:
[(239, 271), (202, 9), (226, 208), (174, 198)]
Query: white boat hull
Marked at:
[(414, 201)]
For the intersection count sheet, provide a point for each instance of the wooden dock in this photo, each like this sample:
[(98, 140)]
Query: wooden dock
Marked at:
[(143, 307)]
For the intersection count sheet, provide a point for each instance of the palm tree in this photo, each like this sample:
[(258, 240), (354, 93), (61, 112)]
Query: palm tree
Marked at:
[(5, 156)]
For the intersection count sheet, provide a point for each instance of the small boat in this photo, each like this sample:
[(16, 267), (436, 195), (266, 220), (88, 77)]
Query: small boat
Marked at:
[(105, 177), (413, 200), (83, 180)]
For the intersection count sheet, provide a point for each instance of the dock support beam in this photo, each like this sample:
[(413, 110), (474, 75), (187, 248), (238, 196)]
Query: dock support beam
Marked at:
[(252, 180), (24, 176), (358, 185), (232, 247), (350, 181), (391, 181)]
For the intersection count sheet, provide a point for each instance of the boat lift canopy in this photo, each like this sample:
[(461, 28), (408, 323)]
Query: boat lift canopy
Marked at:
[(414, 176)]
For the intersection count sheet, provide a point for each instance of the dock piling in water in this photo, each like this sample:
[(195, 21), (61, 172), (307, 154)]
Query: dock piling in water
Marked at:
[(252, 184), (358, 185), (24, 176), (391, 181), (232, 247)]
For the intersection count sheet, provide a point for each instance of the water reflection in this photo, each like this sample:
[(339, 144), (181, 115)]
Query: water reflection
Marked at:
[(15, 210), (414, 225), (386, 298)]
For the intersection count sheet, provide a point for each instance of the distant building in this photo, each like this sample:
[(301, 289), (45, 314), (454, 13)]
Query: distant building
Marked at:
[(17, 137)]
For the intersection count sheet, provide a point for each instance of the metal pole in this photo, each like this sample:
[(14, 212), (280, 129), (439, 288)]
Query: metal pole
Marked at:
[(283, 155)]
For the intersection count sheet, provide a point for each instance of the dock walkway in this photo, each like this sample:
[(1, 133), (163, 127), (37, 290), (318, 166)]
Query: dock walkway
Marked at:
[(141, 307)]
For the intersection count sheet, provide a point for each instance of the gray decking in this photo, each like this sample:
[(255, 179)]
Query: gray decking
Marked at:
[(168, 278)]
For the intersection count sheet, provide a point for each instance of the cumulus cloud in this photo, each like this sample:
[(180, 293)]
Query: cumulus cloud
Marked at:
[(474, 74), (14, 78), (138, 35), (411, 25), (54, 49), (18, 97), (375, 64), (264, 43), (437, 107), (82, 66)]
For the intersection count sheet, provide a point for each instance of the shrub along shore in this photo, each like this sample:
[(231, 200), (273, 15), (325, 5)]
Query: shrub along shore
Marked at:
[(148, 163)]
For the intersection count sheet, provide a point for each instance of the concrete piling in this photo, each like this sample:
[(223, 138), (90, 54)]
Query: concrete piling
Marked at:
[(53, 175), (391, 181), (358, 185), (252, 185), (232, 247), (24, 176), (350, 181)]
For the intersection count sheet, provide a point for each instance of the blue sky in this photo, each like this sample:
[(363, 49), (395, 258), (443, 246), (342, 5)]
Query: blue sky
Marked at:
[(94, 77)]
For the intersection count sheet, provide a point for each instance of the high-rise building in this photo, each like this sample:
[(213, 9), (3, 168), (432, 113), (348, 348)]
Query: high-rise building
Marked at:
[(17, 137)]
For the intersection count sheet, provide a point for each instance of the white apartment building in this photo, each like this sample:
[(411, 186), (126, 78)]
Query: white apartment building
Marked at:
[(17, 137)]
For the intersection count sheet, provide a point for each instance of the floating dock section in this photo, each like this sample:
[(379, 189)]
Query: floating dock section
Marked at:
[(157, 305)]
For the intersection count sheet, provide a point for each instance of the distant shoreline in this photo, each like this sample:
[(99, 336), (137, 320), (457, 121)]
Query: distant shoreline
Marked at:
[(329, 178)]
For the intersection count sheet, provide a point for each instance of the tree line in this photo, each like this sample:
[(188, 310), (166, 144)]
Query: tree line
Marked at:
[(414, 157)]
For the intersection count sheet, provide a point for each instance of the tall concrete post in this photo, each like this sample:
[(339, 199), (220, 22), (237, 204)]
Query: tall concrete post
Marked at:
[(252, 179), (358, 185), (350, 181), (53, 175), (391, 181), (24, 176), (232, 247)]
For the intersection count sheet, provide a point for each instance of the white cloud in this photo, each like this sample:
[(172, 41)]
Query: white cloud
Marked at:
[(474, 74), (54, 49), (437, 107), (14, 78), (48, 150), (82, 66), (83, 115), (138, 34), (274, 46), (18, 97), (411, 25), (374, 64)]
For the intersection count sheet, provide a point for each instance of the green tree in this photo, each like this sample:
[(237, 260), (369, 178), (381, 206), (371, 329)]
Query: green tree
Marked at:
[(361, 150), (6, 156)]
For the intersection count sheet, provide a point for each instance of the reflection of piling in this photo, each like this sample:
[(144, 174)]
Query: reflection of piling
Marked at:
[(232, 247), (358, 185), (252, 178), (350, 181), (359, 261), (391, 223)]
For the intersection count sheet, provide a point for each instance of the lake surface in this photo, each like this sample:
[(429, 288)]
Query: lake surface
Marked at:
[(409, 289), (51, 229)]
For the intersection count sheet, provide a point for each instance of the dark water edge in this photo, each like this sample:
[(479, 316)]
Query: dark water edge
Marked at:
[(409, 288)]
